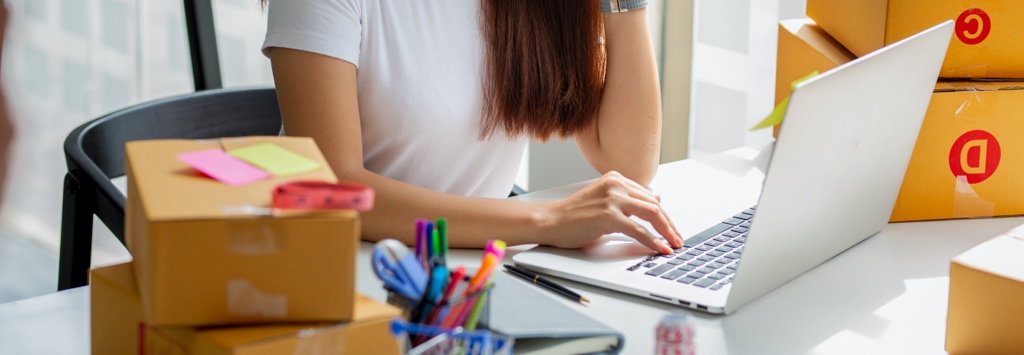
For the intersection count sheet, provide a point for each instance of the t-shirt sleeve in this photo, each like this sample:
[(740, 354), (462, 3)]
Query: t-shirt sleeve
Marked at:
[(328, 27)]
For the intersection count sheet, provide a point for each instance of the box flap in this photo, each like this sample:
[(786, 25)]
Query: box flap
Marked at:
[(171, 190), (807, 31), (1002, 255)]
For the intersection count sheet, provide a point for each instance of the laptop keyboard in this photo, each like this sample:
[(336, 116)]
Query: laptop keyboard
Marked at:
[(709, 260)]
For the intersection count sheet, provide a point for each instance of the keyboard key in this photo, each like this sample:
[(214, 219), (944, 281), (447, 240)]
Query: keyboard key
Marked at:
[(707, 258), (675, 262), (716, 265), (716, 287), (745, 224), (734, 244), (693, 252), (715, 277), (744, 216), (696, 274), (633, 268), (731, 267), (703, 247), (731, 234), (740, 229), (715, 253), (674, 274), (649, 264), (733, 221), (726, 281), (696, 263), (684, 257), (707, 234), (724, 249), (741, 239), (750, 211), (687, 280), (713, 243), (706, 270), (686, 267), (733, 256), (660, 269), (726, 272), (722, 238), (704, 282)]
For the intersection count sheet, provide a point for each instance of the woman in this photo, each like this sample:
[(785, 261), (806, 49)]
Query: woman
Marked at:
[(432, 104)]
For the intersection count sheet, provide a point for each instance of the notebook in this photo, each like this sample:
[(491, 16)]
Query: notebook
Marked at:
[(542, 325)]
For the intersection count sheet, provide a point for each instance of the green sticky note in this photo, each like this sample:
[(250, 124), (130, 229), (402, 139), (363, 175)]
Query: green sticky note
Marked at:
[(275, 160), (775, 117)]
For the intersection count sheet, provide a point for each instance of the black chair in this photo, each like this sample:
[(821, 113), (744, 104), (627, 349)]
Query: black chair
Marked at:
[(95, 154)]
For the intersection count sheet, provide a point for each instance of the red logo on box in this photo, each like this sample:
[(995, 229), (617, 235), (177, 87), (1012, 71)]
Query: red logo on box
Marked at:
[(973, 26), (975, 155)]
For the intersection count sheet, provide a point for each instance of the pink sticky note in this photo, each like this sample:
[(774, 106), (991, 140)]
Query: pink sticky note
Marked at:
[(225, 168)]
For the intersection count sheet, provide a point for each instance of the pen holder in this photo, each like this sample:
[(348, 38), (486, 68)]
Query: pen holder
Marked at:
[(411, 310), (450, 341)]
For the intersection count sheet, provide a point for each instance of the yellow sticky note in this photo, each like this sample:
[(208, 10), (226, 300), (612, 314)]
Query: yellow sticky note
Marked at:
[(275, 160), (775, 117)]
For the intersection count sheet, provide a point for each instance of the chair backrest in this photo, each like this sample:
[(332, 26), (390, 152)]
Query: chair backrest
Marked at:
[(95, 153), (97, 148)]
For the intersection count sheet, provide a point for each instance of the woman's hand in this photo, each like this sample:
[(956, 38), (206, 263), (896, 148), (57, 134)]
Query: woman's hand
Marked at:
[(604, 207)]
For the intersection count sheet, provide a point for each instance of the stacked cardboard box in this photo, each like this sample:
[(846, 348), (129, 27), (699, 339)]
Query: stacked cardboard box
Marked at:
[(207, 254), (966, 160), (986, 285)]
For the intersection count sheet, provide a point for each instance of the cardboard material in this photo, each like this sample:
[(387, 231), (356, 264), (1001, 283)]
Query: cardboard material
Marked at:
[(804, 48), (118, 328), (987, 43), (208, 254), (971, 130), (986, 286)]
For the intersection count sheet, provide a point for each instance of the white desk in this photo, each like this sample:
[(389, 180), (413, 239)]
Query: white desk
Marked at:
[(885, 295)]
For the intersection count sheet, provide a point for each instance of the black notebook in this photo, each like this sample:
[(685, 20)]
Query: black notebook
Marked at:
[(542, 325)]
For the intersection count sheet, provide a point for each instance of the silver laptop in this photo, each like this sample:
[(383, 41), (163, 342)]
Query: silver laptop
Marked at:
[(832, 181)]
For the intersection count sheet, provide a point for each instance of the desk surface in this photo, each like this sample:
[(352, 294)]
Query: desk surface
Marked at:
[(887, 294)]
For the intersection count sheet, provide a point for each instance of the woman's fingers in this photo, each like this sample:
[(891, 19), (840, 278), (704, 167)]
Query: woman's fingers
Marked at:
[(653, 214), (640, 234), (661, 222)]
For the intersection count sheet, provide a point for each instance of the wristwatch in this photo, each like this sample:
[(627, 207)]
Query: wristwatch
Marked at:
[(613, 6)]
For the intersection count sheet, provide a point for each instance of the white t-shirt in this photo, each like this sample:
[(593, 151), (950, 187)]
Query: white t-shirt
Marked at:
[(419, 81)]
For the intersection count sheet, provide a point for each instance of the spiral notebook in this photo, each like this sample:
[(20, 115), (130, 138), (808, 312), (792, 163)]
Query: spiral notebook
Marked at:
[(541, 325)]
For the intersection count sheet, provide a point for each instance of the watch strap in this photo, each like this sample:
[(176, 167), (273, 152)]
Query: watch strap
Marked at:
[(613, 6)]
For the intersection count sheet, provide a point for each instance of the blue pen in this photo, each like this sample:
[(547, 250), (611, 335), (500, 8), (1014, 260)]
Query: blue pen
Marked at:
[(427, 233)]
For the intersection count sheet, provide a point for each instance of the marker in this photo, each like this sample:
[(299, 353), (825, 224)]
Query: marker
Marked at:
[(442, 226)]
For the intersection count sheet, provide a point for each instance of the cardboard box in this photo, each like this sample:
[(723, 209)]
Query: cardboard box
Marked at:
[(987, 41), (204, 258), (969, 155), (986, 286), (118, 328), (804, 48)]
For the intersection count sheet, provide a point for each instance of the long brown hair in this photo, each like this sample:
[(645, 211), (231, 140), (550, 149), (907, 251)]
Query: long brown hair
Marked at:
[(544, 67)]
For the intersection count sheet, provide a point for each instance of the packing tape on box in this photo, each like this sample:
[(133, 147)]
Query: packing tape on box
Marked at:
[(329, 340), (967, 203), (976, 106), (244, 299), (253, 239), (319, 195)]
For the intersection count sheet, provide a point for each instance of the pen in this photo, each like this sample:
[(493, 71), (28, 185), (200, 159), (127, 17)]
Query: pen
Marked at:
[(474, 314), (551, 286), (421, 245), (442, 227)]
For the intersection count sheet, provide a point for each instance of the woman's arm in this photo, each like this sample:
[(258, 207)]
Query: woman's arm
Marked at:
[(627, 137), (318, 99)]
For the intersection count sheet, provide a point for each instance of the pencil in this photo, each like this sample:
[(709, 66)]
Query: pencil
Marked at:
[(551, 286)]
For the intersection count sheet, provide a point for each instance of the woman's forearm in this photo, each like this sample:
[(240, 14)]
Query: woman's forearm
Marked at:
[(627, 137), (471, 221)]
